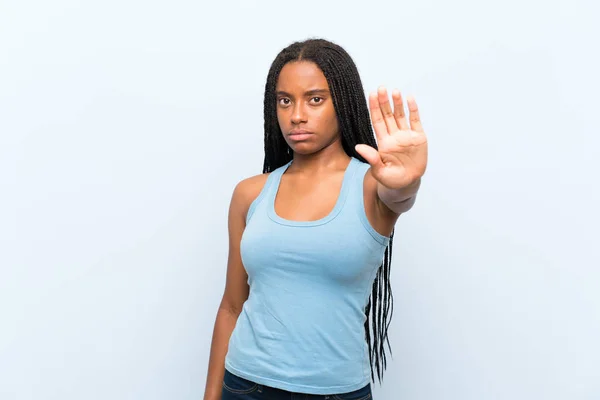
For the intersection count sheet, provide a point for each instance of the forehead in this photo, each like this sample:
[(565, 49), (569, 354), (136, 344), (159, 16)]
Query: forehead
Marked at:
[(301, 75)]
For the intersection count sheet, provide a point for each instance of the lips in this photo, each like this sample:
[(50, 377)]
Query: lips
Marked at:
[(299, 134)]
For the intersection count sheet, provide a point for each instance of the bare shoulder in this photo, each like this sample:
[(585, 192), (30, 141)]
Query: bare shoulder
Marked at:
[(370, 181), (246, 191), (379, 215), (370, 193)]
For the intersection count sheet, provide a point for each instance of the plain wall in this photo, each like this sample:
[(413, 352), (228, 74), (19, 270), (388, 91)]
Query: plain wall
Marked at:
[(125, 125)]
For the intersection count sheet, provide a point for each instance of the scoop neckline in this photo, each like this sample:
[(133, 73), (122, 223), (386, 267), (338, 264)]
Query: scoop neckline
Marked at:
[(332, 214)]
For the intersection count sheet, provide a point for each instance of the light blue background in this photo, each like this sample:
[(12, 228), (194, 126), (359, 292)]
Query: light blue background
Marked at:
[(125, 125)]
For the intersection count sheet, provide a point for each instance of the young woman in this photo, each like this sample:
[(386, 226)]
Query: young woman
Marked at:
[(311, 238)]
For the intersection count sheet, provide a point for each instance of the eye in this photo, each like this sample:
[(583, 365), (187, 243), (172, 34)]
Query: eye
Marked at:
[(284, 101), (320, 99)]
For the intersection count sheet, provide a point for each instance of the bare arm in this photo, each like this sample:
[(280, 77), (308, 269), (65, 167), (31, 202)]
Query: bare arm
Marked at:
[(236, 286)]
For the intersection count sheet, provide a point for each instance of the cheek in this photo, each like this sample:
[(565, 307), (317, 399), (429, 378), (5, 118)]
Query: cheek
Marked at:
[(281, 120), (329, 117)]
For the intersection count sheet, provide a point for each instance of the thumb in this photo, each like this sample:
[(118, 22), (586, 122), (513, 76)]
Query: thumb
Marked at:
[(369, 154)]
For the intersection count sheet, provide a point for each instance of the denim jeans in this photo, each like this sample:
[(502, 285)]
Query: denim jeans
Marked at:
[(237, 388)]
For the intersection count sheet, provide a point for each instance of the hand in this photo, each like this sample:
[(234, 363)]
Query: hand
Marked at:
[(401, 158)]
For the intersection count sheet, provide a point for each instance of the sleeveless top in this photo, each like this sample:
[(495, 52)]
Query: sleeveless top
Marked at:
[(302, 327)]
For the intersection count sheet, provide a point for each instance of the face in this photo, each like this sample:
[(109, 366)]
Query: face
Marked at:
[(305, 108)]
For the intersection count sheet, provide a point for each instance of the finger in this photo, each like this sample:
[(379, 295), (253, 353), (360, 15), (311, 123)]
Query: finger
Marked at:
[(377, 118), (386, 110), (369, 154), (399, 114), (415, 119)]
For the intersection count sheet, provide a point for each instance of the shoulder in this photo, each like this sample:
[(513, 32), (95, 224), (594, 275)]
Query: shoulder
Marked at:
[(379, 215), (246, 191), (365, 178), (370, 191), (371, 187), (368, 180)]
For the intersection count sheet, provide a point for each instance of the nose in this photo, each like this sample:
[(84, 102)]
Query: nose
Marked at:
[(298, 113)]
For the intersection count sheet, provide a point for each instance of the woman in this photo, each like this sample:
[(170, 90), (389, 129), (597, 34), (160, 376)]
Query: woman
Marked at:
[(310, 238)]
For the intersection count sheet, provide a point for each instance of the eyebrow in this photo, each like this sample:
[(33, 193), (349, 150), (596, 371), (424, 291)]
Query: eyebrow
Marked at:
[(307, 93)]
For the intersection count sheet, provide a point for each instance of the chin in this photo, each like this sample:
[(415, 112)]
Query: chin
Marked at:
[(304, 148)]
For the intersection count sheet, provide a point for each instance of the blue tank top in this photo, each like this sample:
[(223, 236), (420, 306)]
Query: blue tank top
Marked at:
[(302, 327)]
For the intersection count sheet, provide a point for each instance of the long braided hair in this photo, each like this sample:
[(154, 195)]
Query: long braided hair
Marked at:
[(355, 128)]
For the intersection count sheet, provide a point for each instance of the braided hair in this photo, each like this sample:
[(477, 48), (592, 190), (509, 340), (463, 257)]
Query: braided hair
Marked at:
[(355, 128)]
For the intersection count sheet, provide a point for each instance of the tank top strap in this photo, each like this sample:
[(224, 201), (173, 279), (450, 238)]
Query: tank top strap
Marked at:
[(357, 201), (276, 179), (356, 186), (268, 190)]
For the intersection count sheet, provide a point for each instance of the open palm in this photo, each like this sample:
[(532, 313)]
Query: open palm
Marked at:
[(401, 157)]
